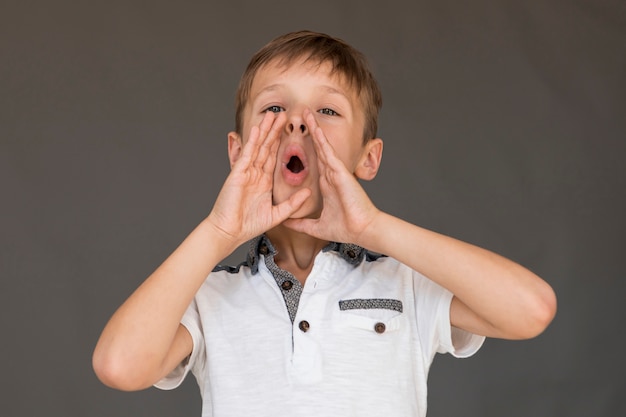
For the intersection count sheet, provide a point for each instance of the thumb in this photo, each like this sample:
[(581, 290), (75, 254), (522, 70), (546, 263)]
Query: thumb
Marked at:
[(306, 226), (285, 209)]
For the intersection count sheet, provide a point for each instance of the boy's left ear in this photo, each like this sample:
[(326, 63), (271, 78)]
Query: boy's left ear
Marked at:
[(370, 160)]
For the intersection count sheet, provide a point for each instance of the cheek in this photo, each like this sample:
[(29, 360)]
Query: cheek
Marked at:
[(348, 152)]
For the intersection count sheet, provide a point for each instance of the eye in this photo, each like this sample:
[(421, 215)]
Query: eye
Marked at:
[(274, 109), (328, 112)]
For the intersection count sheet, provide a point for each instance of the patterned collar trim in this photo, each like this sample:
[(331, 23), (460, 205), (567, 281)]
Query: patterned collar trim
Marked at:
[(261, 245)]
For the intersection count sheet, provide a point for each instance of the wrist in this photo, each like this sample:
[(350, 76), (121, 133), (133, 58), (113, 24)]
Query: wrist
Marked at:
[(224, 243), (371, 234), (385, 234)]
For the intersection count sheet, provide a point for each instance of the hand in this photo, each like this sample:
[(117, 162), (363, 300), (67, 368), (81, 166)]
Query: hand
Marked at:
[(347, 210), (244, 208)]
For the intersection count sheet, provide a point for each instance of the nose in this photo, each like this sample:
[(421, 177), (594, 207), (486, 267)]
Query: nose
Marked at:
[(296, 123), (291, 127)]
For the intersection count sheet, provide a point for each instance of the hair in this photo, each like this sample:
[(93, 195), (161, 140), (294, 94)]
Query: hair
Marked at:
[(319, 48)]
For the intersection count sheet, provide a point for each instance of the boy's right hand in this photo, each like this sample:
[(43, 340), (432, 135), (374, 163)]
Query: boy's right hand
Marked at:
[(132, 357), (244, 208)]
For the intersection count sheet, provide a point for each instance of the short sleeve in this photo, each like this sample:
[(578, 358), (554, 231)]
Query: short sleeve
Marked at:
[(432, 303), (457, 342), (191, 321), (464, 344)]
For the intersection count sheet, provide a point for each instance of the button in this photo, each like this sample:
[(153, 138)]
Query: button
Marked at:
[(263, 249), (304, 326), (380, 327), (287, 285), (351, 254)]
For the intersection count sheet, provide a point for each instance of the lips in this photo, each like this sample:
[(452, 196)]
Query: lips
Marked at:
[(294, 166)]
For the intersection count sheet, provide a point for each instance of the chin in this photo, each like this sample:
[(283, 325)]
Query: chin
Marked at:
[(309, 210), (306, 213)]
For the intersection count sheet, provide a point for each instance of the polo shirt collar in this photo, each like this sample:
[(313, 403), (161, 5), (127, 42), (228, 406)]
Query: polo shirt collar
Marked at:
[(261, 245)]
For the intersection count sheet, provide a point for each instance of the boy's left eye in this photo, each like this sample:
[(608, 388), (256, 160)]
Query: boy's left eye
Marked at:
[(328, 112)]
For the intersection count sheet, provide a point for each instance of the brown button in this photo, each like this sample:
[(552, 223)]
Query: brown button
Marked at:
[(263, 249), (287, 285), (304, 326), (380, 327), (351, 254)]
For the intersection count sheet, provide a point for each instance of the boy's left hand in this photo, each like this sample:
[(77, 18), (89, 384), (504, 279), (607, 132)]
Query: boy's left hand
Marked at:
[(492, 296), (347, 210)]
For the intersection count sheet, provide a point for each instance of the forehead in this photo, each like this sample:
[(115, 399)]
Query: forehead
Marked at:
[(277, 72)]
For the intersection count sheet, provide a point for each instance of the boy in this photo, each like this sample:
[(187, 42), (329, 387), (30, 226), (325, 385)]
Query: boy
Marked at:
[(315, 322)]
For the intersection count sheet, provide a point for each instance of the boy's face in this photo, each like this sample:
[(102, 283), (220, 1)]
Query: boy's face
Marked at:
[(338, 111)]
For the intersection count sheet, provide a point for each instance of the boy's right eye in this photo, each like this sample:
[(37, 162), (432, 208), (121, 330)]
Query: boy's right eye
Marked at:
[(274, 109)]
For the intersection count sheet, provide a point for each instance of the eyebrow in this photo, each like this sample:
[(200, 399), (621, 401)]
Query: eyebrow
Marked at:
[(328, 89), (333, 90)]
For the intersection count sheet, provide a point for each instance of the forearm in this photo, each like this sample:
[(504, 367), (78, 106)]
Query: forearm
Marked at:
[(137, 339), (504, 299), (143, 340)]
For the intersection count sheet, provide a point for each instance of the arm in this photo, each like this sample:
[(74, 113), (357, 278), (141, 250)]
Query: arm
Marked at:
[(493, 296), (144, 340)]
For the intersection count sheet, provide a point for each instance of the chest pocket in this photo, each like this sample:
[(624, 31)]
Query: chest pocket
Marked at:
[(370, 338), (379, 315)]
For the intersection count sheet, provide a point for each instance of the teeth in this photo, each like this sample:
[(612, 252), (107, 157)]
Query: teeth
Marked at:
[(295, 164)]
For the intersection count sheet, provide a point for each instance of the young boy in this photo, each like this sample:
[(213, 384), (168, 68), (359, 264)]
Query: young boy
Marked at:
[(315, 322)]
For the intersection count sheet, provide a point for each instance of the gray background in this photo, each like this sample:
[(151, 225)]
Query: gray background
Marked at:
[(504, 126)]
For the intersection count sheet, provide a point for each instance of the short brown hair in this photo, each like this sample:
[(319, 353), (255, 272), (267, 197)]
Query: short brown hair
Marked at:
[(321, 48)]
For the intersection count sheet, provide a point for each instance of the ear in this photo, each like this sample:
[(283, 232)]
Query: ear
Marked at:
[(235, 147), (370, 160)]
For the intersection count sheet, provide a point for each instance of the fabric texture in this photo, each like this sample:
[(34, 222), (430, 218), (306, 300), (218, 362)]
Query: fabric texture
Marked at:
[(259, 352)]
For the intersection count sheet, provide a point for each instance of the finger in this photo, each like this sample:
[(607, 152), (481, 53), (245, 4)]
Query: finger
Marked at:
[(270, 146), (309, 119), (306, 226), (285, 209), (250, 148), (264, 139), (324, 149), (266, 124), (255, 149)]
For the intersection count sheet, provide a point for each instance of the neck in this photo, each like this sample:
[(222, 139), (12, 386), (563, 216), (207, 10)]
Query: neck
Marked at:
[(295, 251)]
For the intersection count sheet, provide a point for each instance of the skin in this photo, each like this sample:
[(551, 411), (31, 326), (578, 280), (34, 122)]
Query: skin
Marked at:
[(306, 98), (493, 296)]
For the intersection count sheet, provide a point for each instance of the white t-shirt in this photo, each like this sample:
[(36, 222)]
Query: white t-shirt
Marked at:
[(356, 340)]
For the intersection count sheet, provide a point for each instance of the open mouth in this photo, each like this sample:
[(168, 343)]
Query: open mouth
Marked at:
[(295, 165)]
